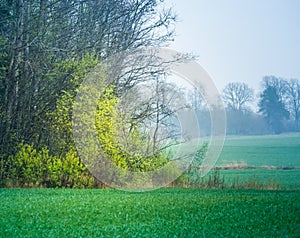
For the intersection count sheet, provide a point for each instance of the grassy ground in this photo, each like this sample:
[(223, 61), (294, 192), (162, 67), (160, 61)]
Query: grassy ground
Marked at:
[(284, 179), (273, 159), (172, 212), (272, 150), (161, 213)]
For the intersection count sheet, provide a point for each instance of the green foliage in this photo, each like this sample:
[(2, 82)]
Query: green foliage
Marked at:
[(32, 168), (43, 56), (110, 121), (73, 172), (61, 126), (46, 50), (60, 119), (3, 172), (73, 71), (125, 151), (160, 213), (26, 166), (68, 172)]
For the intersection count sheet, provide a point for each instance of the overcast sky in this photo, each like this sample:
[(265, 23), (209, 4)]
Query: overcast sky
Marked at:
[(241, 41)]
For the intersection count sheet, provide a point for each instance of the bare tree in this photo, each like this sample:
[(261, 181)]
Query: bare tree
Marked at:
[(237, 95), (151, 108), (293, 100), (195, 99)]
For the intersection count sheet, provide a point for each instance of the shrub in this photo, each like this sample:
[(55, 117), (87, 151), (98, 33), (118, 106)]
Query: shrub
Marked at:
[(26, 166), (32, 168), (74, 173)]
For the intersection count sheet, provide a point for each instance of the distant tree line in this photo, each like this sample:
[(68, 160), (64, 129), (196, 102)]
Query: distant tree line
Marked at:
[(277, 110)]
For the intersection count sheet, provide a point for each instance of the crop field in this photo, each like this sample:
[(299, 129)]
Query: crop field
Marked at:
[(272, 150), (168, 212), (269, 179), (174, 212), (273, 159)]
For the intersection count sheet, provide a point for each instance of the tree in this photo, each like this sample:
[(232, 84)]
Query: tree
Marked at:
[(123, 139), (292, 94), (47, 48), (273, 109), (288, 91), (279, 84), (38, 35), (237, 95), (150, 109)]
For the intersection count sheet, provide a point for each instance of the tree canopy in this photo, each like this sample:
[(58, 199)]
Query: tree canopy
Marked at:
[(273, 109)]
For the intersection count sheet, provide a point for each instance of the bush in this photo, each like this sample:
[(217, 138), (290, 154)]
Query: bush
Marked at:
[(26, 166), (74, 173), (32, 168)]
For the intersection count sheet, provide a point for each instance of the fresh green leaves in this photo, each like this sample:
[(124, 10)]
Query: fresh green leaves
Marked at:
[(32, 168)]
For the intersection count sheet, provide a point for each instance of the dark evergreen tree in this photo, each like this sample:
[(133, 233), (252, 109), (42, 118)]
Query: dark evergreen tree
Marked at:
[(273, 109)]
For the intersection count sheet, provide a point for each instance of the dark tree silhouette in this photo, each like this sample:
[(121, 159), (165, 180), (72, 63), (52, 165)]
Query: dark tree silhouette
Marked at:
[(273, 109)]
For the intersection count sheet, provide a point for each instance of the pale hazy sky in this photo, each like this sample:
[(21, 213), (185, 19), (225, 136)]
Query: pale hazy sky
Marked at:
[(240, 40)]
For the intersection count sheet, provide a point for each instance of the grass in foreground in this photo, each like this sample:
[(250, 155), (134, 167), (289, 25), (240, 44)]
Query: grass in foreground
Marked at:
[(160, 213)]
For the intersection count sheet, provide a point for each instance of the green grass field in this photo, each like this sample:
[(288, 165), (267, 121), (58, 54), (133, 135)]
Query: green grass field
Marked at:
[(162, 213), (268, 154), (272, 150), (172, 212)]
